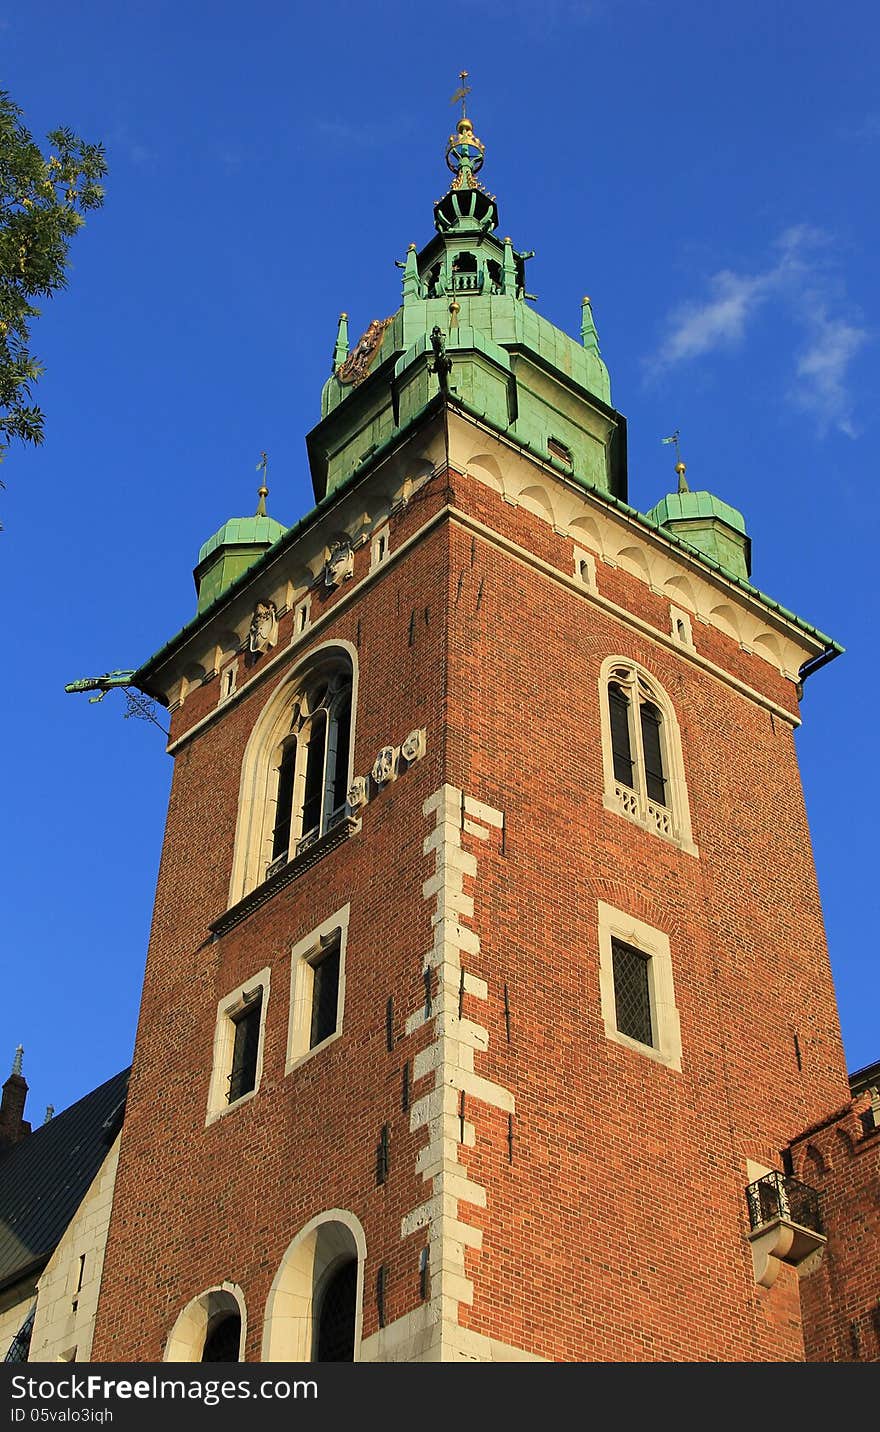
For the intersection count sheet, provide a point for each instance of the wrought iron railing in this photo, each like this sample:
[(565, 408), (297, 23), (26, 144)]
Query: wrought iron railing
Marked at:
[(779, 1195)]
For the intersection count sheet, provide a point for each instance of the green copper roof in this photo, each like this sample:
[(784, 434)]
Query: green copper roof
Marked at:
[(243, 532), (235, 548), (707, 524), (682, 506), (468, 287)]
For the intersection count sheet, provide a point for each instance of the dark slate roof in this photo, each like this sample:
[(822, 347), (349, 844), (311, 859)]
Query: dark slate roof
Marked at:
[(45, 1177)]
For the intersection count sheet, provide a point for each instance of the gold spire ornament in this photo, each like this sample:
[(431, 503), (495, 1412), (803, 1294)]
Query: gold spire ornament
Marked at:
[(680, 467), (263, 491), (461, 93)]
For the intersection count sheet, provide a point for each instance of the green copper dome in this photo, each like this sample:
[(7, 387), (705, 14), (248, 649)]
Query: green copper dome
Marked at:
[(711, 526), (232, 549)]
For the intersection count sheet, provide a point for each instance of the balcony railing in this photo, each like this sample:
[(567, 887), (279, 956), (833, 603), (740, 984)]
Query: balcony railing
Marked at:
[(779, 1196), (786, 1226)]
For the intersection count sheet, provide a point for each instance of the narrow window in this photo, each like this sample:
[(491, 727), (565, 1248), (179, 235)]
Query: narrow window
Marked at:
[(243, 1076), (655, 777), (632, 998), (325, 995), (340, 737), (314, 778), (621, 746), (284, 801)]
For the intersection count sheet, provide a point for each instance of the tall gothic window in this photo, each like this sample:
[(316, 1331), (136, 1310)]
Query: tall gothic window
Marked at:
[(644, 771), (309, 778), (296, 770)]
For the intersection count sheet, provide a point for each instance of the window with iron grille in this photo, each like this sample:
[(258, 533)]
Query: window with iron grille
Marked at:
[(632, 996), (636, 986)]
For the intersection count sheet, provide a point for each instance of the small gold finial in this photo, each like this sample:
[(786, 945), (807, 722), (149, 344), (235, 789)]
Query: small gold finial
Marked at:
[(681, 469), (410, 247), (342, 316), (586, 298), (262, 491)]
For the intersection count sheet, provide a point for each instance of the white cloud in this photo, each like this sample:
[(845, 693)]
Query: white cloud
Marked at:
[(796, 283), (719, 322), (822, 369)]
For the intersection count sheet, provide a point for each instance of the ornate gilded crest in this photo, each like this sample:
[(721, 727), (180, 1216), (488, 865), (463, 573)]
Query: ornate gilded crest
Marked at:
[(357, 365)]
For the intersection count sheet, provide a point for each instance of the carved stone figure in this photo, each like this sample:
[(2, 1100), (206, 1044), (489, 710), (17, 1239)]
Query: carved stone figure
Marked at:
[(264, 627), (357, 793), (383, 766), (339, 565), (413, 747)]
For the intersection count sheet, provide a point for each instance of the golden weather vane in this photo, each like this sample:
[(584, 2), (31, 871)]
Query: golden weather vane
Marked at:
[(461, 93), (679, 466)]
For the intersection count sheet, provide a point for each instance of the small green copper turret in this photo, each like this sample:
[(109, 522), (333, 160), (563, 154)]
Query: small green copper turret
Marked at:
[(707, 524), (234, 548), (510, 367)]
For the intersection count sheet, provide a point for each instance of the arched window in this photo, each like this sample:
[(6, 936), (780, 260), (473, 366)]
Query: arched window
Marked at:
[(641, 745), (211, 1328), (296, 769), (313, 1312), (310, 766)]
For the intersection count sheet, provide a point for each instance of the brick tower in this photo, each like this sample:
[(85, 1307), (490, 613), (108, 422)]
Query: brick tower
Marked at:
[(487, 968)]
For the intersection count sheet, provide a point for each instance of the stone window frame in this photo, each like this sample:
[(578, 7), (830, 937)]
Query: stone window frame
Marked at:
[(615, 924), (380, 546), (252, 860), (585, 568), (228, 681), (671, 822), (293, 1304), (304, 955), (228, 1007), (186, 1340), (302, 617), (681, 626)]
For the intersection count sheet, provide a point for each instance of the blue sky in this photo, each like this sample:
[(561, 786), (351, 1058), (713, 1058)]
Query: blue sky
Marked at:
[(708, 174)]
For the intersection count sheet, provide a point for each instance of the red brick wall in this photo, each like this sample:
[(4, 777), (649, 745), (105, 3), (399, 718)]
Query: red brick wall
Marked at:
[(617, 1231), (841, 1296)]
